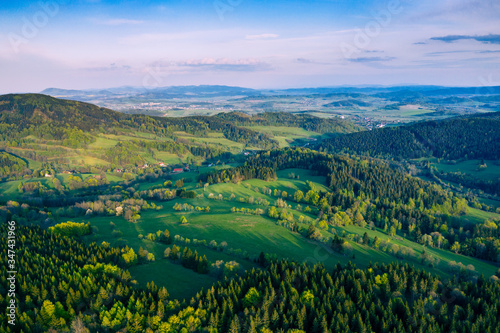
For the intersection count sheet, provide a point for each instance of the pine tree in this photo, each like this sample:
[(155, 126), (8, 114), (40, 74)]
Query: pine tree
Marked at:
[(47, 312), (366, 239), (311, 231), (235, 325)]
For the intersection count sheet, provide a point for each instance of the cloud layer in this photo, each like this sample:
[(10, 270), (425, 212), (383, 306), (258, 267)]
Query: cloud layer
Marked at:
[(224, 64), (486, 39)]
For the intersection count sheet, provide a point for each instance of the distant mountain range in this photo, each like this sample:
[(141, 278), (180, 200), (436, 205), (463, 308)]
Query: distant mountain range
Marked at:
[(211, 91), (203, 91)]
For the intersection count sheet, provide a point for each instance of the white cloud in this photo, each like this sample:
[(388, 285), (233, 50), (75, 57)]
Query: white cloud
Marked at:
[(111, 67), (225, 64), (220, 61)]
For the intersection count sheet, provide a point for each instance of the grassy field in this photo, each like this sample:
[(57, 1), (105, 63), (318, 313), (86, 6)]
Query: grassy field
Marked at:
[(9, 190), (444, 256), (413, 110), (180, 282), (285, 135), (213, 139), (31, 163), (130, 135), (477, 216), (250, 233), (170, 158), (490, 202), (103, 142), (87, 160), (106, 141), (471, 167)]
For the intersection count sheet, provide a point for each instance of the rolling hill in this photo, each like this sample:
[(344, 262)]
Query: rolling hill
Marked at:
[(48, 117), (47, 129), (279, 240)]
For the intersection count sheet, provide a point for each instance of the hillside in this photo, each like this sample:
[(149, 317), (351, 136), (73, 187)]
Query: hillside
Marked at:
[(456, 138), (368, 191), (50, 117), (30, 110), (69, 134), (401, 246)]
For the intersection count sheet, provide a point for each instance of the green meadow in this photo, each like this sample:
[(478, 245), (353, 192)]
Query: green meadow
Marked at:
[(251, 234), (472, 167)]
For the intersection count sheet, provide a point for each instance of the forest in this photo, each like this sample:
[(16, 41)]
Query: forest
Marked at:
[(456, 138), (305, 121), (87, 288), (11, 164)]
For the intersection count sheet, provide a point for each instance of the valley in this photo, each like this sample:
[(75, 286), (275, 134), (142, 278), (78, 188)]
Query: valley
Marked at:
[(370, 107), (175, 206), (235, 166)]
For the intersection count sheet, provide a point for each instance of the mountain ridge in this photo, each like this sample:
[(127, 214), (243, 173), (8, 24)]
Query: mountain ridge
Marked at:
[(469, 137), (219, 90)]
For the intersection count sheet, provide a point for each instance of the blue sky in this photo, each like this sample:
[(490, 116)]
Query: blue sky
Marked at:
[(260, 44)]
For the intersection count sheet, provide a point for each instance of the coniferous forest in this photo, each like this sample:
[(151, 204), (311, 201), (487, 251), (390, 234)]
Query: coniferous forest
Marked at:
[(65, 284), (476, 136)]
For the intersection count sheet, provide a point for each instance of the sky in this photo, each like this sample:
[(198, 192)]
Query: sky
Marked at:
[(94, 44)]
